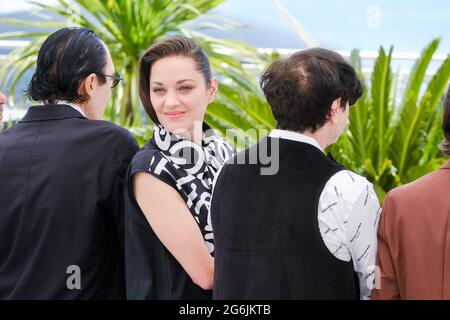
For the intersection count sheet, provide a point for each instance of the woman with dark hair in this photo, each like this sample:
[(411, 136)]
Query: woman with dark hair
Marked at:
[(169, 242), (414, 235), (62, 169)]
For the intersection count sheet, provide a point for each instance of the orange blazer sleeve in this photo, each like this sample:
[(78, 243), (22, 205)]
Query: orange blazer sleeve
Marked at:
[(386, 282)]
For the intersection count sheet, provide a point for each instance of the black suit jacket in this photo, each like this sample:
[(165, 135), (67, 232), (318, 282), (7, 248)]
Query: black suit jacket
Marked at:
[(61, 206)]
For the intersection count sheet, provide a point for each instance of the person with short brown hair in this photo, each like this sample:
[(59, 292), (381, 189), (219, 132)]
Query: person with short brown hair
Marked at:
[(307, 230)]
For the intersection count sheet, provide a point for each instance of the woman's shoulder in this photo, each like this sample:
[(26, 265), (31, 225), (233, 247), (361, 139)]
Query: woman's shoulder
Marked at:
[(151, 160), (145, 157)]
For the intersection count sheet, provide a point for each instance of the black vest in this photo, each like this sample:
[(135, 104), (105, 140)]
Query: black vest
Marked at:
[(267, 239)]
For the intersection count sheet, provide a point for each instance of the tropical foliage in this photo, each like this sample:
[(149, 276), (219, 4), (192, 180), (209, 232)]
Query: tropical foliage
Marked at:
[(390, 142), (128, 27)]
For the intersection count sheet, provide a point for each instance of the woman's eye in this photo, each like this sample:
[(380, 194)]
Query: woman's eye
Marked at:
[(158, 90), (185, 88)]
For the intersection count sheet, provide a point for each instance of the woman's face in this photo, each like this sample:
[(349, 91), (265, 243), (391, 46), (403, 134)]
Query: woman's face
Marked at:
[(180, 94)]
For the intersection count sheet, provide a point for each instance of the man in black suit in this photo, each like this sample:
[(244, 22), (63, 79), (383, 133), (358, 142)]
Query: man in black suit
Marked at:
[(61, 179)]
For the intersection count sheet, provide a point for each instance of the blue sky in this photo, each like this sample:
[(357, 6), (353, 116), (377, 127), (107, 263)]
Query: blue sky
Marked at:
[(347, 24), (340, 25)]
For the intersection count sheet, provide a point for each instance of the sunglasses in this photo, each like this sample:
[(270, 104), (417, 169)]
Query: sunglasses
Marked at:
[(116, 78)]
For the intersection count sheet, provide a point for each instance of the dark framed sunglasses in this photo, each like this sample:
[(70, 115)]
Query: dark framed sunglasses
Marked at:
[(116, 78)]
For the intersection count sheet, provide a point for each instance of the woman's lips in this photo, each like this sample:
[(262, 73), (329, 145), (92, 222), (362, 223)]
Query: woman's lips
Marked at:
[(174, 114)]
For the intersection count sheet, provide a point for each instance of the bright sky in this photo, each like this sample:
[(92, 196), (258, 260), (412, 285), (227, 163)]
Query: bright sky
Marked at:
[(9, 6), (339, 25), (347, 24)]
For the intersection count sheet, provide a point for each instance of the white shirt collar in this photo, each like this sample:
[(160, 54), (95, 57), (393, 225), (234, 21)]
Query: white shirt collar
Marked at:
[(73, 105), (294, 136)]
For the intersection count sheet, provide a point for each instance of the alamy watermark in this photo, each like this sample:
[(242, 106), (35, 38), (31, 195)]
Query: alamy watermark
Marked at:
[(73, 282), (265, 154), (74, 16), (373, 21)]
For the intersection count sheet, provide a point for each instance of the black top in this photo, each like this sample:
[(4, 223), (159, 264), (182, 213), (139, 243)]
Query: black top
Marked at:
[(151, 270), (267, 238), (61, 200)]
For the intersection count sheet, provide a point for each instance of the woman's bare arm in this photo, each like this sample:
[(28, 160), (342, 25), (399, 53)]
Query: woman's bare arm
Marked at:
[(175, 226)]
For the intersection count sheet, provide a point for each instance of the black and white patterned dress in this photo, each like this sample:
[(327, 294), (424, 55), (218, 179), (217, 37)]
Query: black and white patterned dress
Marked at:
[(152, 272)]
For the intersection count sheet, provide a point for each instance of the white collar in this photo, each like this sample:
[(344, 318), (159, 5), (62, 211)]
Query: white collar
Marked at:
[(73, 105), (294, 136)]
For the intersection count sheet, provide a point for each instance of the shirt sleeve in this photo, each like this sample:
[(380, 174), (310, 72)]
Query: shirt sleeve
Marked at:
[(362, 237), (349, 229)]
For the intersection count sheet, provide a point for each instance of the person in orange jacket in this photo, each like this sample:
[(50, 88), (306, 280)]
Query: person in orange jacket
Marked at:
[(414, 234)]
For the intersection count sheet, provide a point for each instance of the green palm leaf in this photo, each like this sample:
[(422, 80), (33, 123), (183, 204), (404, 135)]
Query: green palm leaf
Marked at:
[(404, 140), (382, 111), (390, 144)]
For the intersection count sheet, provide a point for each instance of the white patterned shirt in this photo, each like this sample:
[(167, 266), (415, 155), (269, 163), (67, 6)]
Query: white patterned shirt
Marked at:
[(348, 216)]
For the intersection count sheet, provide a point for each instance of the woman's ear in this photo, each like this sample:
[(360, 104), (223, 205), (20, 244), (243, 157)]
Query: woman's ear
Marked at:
[(214, 86)]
